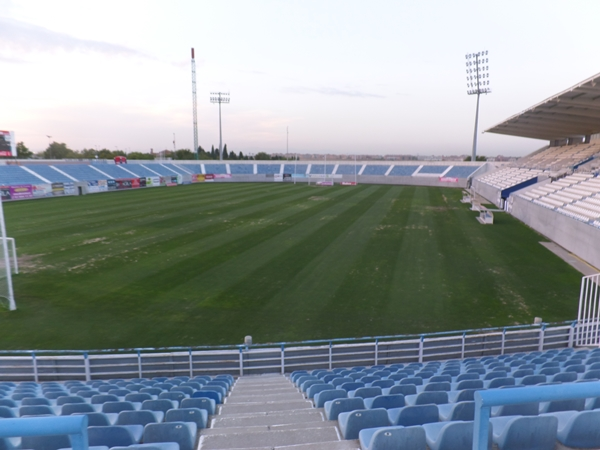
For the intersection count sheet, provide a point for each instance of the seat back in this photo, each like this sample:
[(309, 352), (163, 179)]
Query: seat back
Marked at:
[(183, 433)]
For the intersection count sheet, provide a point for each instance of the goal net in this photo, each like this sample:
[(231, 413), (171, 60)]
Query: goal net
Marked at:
[(7, 298)]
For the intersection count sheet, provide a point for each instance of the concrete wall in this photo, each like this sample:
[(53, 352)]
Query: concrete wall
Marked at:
[(577, 237), (488, 192)]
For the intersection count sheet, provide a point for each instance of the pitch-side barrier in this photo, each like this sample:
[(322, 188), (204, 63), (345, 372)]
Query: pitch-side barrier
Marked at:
[(53, 365)]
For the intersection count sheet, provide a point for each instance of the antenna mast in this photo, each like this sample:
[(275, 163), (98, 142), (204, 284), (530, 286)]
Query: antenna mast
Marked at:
[(195, 113)]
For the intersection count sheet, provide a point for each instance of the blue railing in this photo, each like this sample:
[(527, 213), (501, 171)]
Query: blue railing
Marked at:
[(74, 426), (484, 400)]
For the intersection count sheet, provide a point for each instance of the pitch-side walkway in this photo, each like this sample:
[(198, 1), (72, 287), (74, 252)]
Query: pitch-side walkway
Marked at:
[(268, 412)]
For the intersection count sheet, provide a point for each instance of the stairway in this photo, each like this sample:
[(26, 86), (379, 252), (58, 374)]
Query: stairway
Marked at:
[(268, 412)]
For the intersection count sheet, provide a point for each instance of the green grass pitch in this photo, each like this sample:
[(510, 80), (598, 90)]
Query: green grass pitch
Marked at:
[(210, 263)]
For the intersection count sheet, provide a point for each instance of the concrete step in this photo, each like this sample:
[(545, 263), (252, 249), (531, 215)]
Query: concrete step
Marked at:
[(275, 418), (277, 438), (333, 445), (263, 428), (245, 408), (270, 397)]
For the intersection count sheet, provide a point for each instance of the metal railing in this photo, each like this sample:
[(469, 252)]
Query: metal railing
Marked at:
[(54, 365)]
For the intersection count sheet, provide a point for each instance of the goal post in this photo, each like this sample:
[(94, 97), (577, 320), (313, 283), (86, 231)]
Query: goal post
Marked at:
[(6, 286), (588, 316)]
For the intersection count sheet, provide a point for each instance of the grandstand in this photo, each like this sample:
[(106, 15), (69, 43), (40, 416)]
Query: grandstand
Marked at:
[(438, 404)]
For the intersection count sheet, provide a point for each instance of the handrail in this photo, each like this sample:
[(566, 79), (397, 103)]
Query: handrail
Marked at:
[(484, 400), (74, 426)]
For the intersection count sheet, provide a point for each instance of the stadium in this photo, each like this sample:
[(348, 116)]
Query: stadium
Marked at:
[(307, 304)]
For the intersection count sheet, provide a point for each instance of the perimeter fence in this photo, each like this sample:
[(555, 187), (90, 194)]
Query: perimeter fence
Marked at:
[(53, 365)]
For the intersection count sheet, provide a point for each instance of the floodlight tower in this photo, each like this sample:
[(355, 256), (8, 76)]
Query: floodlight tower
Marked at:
[(478, 82), (194, 109), (220, 97)]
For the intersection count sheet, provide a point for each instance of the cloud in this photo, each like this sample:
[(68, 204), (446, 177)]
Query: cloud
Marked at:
[(331, 91), (8, 59), (17, 36)]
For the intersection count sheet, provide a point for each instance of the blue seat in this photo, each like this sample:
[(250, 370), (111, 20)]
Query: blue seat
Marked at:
[(524, 432), (117, 407), (390, 438), (531, 380), (96, 419), (549, 371), (467, 376), (103, 398), (351, 386), (495, 374), (142, 417), (404, 389), (521, 409), (368, 379), (183, 433), (440, 378), (385, 401), (383, 384), (72, 408), (162, 405), (38, 410), (591, 375), (151, 391), (417, 381), (576, 404), (425, 398), (469, 384), (303, 378), (6, 412), (137, 397), (365, 392), (198, 416), (207, 404), (499, 382), (316, 388), (69, 399), (440, 386), (452, 436), (520, 373), (119, 392), (334, 407), (35, 401), (457, 411), (114, 435), (187, 390), (578, 429), (46, 442), (338, 381), (174, 396), (352, 422), (209, 394), (413, 415)]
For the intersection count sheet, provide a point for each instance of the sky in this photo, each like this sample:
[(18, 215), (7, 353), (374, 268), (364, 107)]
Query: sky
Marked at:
[(353, 77)]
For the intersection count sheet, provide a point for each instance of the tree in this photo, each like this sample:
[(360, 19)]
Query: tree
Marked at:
[(140, 155), (262, 156), (105, 154), (241, 156), (23, 152), (184, 154), (212, 152), (88, 153), (59, 151), (477, 158), (225, 152)]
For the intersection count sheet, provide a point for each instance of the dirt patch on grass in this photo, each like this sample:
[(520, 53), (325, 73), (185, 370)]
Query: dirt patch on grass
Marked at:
[(316, 198), (31, 263), (93, 241)]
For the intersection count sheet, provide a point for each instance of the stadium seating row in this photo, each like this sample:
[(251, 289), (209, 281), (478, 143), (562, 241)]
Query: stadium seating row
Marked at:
[(120, 412), (63, 173), (577, 196), (431, 405)]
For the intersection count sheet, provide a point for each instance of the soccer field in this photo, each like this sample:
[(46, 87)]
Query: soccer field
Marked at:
[(211, 263)]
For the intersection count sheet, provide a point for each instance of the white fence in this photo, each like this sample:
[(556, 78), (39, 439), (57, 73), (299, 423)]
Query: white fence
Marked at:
[(588, 317), (282, 358)]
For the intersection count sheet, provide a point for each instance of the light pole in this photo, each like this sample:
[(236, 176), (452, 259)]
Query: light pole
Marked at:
[(194, 106), (220, 97), (478, 82)]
